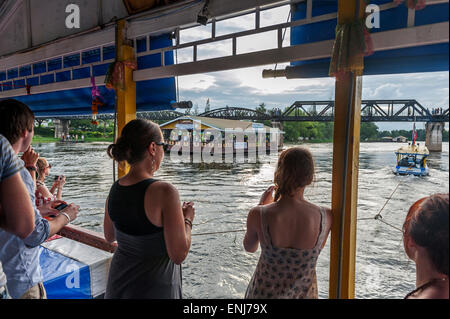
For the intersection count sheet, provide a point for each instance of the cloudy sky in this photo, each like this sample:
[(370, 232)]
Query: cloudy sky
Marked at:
[(247, 88)]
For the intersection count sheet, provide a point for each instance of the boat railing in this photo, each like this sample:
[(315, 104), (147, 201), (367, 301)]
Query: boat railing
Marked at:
[(88, 237)]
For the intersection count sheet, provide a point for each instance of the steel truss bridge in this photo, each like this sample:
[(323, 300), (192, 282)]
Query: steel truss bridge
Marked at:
[(306, 111)]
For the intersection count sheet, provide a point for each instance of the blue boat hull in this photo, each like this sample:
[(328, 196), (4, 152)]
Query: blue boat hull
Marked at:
[(401, 170)]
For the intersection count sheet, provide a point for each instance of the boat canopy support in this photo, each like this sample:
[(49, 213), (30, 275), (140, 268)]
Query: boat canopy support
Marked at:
[(125, 99), (344, 194)]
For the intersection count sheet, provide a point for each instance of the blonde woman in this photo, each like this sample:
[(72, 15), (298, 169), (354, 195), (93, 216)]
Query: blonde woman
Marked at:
[(42, 192)]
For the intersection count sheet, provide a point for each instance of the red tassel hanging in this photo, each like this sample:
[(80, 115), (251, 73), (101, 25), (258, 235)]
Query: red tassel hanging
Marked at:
[(369, 43), (420, 4), (95, 104), (413, 4)]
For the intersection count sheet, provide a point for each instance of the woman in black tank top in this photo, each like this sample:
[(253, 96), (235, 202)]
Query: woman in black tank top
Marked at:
[(144, 215)]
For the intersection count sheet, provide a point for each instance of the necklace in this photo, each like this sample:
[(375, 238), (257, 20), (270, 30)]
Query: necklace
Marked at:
[(425, 285)]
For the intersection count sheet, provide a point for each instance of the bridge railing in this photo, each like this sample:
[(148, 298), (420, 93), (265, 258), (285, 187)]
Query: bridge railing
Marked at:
[(311, 111)]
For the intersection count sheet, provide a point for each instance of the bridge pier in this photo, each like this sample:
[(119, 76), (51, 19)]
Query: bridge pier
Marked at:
[(62, 128), (433, 139)]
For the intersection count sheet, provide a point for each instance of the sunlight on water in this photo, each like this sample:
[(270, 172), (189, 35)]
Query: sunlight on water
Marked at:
[(217, 265)]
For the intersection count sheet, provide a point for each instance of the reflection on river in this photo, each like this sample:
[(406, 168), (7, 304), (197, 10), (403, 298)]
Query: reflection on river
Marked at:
[(217, 265)]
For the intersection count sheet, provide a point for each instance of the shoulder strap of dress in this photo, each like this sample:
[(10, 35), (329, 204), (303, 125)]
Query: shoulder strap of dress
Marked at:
[(265, 226), (149, 181), (146, 183), (323, 218)]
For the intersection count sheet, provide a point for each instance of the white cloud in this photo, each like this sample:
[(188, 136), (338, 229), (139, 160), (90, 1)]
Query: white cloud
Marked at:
[(196, 83), (429, 89), (380, 92)]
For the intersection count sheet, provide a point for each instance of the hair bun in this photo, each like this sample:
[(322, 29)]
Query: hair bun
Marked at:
[(118, 151), (132, 145)]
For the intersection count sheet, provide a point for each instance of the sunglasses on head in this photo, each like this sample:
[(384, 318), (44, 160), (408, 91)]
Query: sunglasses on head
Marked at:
[(164, 145)]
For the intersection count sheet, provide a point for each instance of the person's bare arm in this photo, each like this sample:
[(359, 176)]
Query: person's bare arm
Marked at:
[(267, 196), (108, 226), (59, 193), (328, 224), (44, 191), (30, 157), (57, 223), (48, 208), (16, 211), (251, 240), (60, 184), (52, 189), (177, 233)]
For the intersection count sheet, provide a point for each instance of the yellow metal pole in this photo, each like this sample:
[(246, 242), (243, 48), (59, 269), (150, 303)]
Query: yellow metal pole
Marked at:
[(126, 99), (346, 138)]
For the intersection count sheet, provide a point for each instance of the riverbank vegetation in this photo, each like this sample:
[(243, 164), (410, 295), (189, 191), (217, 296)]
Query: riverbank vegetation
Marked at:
[(323, 132), (44, 132)]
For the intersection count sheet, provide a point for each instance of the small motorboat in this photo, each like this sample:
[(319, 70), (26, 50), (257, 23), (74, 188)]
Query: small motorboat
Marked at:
[(412, 160)]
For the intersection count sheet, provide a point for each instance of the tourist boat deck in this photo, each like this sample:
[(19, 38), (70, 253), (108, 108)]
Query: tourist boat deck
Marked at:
[(62, 71)]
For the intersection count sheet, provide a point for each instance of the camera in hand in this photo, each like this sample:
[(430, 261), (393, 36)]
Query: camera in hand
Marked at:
[(56, 177), (61, 206)]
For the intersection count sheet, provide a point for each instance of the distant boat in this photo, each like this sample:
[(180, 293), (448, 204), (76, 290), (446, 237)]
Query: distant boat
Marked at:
[(412, 160)]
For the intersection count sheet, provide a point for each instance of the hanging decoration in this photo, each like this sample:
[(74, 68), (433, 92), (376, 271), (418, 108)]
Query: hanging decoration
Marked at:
[(349, 49), (412, 4), (353, 42), (368, 42), (27, 87), (97, 100), (115, 76)]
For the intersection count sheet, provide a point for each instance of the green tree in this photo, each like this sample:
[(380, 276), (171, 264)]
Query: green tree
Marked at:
[(291, 131), (262, 108), (369, 130)]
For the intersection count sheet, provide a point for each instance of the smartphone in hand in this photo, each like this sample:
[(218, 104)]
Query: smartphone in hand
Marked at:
[(61, 206)]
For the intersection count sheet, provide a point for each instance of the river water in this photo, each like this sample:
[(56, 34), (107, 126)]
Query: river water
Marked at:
[(217, 265)]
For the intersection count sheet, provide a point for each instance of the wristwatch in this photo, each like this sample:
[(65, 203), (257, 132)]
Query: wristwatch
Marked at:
[(31, 167)]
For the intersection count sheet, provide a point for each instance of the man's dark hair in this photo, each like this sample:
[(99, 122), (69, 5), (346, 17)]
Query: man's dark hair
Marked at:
[(15, 117)]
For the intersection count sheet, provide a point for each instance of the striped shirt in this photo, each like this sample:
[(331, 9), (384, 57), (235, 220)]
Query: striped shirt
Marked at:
[(20, 257), (9, 165), (9, 162)]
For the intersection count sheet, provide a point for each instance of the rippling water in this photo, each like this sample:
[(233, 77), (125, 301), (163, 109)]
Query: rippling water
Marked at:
[(217, 265)]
